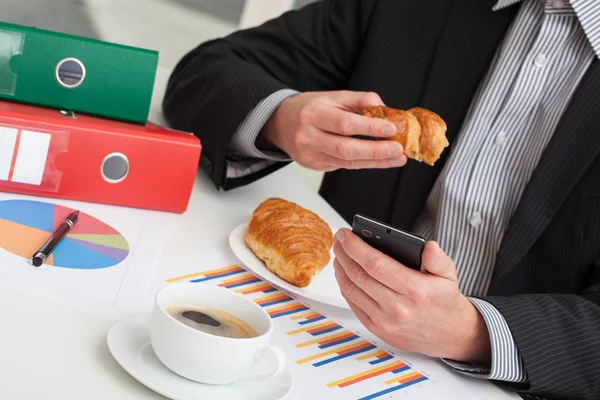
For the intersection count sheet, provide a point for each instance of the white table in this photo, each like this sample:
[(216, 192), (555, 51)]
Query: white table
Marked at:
[(54, 353)]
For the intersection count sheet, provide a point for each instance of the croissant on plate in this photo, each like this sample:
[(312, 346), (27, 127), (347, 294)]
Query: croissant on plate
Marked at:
[(293, 242), (421, 132)]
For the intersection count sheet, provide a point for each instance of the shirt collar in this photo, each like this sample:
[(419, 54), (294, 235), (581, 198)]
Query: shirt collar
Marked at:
[(588, 13)]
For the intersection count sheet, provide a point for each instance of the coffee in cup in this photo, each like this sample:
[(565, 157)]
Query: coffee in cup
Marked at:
[(212, 321), (183, 338)]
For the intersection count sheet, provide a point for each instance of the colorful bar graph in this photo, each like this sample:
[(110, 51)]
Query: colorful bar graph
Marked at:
[(286, 309), (342, 352), (404, 380), (261, 287), (371, 373), (239, 281), (273, 299)]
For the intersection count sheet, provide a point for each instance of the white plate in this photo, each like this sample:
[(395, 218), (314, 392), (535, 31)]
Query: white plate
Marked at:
[(323, 288), (129, 343)]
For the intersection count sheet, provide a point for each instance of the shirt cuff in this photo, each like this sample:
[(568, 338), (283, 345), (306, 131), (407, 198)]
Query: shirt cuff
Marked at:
[(507, 363), (244, 140)]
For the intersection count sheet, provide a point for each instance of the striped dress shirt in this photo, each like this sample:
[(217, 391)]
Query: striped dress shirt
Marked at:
[(536, 70)]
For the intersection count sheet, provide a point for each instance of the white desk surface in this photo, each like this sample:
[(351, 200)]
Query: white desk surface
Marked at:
[(53, 353)]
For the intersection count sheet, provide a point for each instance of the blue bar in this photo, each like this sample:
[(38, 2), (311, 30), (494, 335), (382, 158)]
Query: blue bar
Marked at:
[(320, 363), (271, 303), (324, 346), (393, 389), (242, 283), (218, 276), (335, 328), (269, 290), (397, 371), (388, 357), (288, 312), (310, 321)]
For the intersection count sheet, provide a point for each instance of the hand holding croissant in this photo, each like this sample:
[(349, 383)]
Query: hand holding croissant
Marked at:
[(420, 131)]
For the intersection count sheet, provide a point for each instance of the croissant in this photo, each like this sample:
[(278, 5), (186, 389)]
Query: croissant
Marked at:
[(293, 242), (421, 132)]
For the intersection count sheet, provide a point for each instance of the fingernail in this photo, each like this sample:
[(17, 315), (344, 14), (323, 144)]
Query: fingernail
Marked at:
[(341, 236), (395, 151), (388, 131)]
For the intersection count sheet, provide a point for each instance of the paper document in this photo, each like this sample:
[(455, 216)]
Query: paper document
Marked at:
[(105, 264)]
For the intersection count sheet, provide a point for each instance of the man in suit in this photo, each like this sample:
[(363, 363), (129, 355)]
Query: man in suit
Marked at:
[(511, 291)]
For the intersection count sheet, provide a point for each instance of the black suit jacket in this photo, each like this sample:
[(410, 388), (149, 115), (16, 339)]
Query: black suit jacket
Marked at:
[(431, 53)]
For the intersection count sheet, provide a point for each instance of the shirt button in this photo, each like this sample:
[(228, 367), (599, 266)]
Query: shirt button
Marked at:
[(501, 138), (540, 60), (475, 219)]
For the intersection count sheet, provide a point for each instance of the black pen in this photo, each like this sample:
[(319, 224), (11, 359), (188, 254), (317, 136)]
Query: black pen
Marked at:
[(40, 256)]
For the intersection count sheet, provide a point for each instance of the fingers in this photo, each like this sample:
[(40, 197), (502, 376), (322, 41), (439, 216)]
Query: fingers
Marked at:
[(342, 122), (358, 276), (381, 267), (352, 292), (436, 262), (351, 149), (362, 316)]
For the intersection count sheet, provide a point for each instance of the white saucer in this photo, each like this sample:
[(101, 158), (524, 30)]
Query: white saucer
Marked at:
[(323, 288), (129, 343)]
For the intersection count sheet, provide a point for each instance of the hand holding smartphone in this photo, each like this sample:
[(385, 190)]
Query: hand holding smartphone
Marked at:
[(402, 246)]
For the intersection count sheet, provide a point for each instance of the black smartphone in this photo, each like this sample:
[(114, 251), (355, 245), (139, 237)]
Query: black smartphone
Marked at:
[(402, 246)]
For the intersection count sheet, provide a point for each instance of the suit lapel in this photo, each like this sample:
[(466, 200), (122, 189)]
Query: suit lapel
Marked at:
[(573, 148), (468, 42)]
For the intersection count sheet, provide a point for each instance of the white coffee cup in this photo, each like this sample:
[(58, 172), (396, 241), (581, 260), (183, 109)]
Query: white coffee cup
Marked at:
[(207, 358)]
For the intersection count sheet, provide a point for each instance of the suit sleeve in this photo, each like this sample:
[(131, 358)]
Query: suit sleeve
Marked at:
[(558, 337), (215, 86)]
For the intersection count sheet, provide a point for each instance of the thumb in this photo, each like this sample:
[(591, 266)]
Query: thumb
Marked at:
[(356, 101), (436, 262)]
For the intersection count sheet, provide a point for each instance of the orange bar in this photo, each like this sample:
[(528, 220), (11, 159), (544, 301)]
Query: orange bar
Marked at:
[(355, 348), (223, 270), (278, 296), (254, 289), (335, 336), (241, 279), (284, 309), (330, 352), (329, 325), (314, 328), (347, 335), (411, 376)]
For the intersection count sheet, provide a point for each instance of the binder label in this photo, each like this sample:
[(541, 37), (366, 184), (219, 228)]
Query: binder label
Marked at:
[(31, 157)]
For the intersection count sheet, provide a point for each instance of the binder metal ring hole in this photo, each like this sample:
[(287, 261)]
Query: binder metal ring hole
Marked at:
[(68, 113), (70, 73), (114, 168)]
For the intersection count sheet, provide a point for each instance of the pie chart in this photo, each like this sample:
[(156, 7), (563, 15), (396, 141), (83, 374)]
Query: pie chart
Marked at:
[(25, 226)]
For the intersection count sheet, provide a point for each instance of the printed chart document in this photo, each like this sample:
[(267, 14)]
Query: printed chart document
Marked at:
[(329, 353), (105, 264)]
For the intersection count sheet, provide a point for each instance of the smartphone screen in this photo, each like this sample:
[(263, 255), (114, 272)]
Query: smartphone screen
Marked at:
[(402, 246)]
